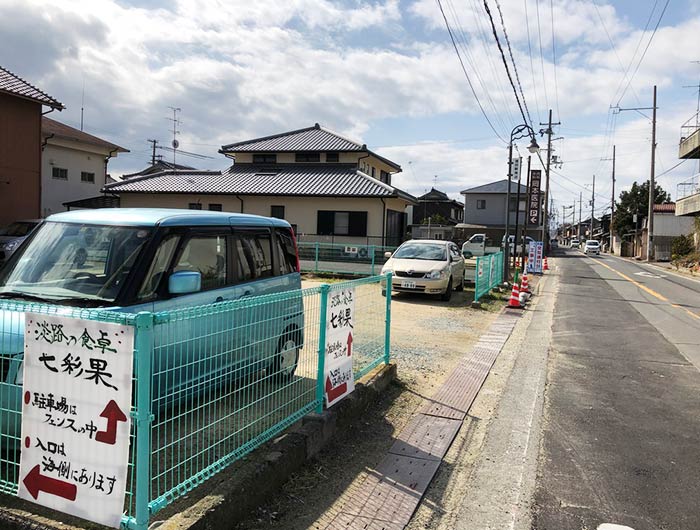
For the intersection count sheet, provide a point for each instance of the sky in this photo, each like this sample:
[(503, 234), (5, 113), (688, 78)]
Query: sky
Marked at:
[(384, 73)]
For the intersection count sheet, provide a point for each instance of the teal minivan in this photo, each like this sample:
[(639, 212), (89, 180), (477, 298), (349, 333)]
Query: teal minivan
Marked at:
[(143, 259)]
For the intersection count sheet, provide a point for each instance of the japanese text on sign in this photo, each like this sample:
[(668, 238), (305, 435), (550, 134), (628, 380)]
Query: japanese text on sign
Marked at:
[(534, 200), (75, 416), (339, 379)]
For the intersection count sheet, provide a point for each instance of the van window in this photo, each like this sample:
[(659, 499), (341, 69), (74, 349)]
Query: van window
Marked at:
[(286, 251), (159, 265), (206, 255), (253, 256)]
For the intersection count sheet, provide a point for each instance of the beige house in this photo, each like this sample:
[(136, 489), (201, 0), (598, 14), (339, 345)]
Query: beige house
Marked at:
[(329, 188), (73, 167)]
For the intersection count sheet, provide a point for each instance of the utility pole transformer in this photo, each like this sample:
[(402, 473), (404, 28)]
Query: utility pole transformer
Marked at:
[(652, 185)]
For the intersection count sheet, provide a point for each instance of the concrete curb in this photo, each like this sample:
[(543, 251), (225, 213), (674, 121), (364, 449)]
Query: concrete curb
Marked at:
[(236, 493)]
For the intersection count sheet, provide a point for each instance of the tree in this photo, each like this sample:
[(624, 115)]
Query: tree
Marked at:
[(636, 201), (435, 219)]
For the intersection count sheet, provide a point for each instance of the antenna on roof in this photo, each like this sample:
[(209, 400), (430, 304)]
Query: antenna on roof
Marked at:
[(176, 122), (82, 104)]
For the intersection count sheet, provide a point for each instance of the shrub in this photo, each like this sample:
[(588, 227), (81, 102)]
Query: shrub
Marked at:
[(682, 245)]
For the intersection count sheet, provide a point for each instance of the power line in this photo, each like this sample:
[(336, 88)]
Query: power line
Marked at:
[(505, 64), (554, 61), (532, 65), (539, 33), (449, 30)]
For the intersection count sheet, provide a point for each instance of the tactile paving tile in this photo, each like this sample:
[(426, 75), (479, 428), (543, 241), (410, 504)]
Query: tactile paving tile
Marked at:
[(346, 521), (426, 437), (394, 492)]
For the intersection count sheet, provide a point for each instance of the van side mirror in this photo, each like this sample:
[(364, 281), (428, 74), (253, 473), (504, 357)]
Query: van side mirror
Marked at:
[(184, 282), (387, 255)]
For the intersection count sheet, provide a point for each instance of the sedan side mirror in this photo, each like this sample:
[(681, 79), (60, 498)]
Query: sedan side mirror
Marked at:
[(387, 255), (184, 282)]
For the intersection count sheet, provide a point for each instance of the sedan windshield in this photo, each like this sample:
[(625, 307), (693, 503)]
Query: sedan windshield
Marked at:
[(67, 262), (426, 251), (592, 243)]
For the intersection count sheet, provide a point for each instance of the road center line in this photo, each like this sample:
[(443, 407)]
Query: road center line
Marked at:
[(647, 289)]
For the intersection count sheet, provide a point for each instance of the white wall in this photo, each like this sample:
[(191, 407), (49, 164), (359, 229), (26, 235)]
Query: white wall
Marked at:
[(667, 224), (55, 192)]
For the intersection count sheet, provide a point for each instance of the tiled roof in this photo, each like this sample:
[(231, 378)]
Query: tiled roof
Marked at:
[(160, 165), (500, 186), (665, 208), (314, 138), (319, 180), (15, 85), (51, 127)]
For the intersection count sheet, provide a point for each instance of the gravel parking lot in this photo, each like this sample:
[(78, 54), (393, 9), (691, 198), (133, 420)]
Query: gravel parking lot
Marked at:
[(428, 338)]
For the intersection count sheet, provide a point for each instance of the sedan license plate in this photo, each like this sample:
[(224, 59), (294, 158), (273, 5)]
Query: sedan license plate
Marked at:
[(408, 285)]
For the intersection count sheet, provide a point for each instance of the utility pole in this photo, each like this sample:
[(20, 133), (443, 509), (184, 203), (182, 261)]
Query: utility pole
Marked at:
[(592, 206), (153, 146), (652, 185), (573, 221), (580, 206), (612, 211), (545, 225)]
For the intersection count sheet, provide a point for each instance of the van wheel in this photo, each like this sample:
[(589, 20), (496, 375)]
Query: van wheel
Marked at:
[(286, 359), (447, 295)]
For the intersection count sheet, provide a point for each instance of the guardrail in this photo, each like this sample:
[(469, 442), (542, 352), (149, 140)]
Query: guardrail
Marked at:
[(345, 259), (211, 383), (488, 273)]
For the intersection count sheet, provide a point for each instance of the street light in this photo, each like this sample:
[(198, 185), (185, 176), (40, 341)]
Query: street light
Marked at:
[(519, 131)]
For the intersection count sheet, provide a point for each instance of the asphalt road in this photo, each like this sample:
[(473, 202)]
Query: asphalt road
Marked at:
[(620, 427)]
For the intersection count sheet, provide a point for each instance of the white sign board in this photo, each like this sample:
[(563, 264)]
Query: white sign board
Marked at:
[(339, 378), (75, 416), (535, 257)]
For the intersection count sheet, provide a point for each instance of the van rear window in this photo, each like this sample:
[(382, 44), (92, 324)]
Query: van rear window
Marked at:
[(253, 256)]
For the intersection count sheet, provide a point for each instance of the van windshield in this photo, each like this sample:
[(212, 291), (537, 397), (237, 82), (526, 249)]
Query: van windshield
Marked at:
[(67, 262)]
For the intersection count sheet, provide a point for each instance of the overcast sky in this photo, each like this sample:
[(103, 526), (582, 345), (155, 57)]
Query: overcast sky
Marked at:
[(384, 73)]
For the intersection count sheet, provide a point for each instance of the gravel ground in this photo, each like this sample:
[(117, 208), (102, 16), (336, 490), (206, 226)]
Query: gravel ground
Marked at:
[(428, 338)]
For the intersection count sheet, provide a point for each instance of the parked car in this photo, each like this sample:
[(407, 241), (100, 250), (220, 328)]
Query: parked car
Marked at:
[(131, 260), (11, 236), (519, 250), (592, 247), (426, 266), (575, 243), (478, 245)]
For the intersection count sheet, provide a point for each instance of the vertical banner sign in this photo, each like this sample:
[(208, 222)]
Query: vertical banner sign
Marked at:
[(339, 376), (535, 257), (533, 207), (75, 416)]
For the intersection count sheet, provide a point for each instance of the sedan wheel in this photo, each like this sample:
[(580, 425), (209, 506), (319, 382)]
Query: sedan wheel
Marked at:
[(447, 295)]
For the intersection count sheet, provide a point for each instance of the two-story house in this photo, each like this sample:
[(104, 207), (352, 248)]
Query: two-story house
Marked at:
[(21, 106), (330, 188), (485, 210), (73, 166), (435, 215)]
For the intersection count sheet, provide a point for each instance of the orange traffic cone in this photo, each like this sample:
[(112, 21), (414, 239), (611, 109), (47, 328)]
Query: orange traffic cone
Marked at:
[(514, 301), (524, 287), (546, 266)]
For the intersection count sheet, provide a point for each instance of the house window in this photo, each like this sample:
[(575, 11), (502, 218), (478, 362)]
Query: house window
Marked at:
[(341, 223), (481, 204), (195, 206), (215, 207), (87, 177), (385, 177), (264, 158), (372, 172), (277, 211), (307, 157), (332, 157), (59, 173)]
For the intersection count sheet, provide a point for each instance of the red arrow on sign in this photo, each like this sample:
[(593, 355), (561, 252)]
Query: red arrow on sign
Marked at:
[(349, 344), (113, 414), (36, 482), (335, 393)]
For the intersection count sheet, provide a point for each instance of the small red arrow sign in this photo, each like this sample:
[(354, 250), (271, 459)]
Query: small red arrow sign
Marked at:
[(349, 344), (335, 393), (113, 414), (36, 482)]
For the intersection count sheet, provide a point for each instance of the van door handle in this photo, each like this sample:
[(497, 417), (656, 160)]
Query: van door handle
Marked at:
[(246, 293), (219, 299)]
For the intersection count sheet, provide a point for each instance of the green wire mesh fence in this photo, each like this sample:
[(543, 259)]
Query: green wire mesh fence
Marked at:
[(345, 259), (211, 383), (488, 274)]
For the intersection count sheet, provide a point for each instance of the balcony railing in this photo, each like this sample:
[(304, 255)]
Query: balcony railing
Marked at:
[(690, 137), (688, 187)]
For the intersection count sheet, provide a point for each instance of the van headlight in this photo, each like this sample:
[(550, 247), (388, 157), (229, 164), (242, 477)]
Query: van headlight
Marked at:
[(436, 274)]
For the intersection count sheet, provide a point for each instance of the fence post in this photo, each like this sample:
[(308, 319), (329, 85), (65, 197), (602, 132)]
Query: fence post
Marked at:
[(372, 252), (144, 355), (476, 279), (316, 258), (322, 319), (387, 332)]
